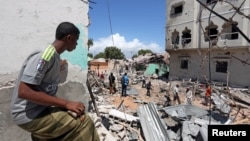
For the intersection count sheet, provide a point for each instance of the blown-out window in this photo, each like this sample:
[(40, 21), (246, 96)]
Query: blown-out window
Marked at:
[(175, 37), (176, 9), (229, 32), (186, 36), (211, 32)]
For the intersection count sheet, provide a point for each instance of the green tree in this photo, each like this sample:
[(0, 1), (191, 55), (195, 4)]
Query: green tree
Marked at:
[(143, 52), (100, 55), (134, 56), (113, 53), (90, 43), (90, 55)]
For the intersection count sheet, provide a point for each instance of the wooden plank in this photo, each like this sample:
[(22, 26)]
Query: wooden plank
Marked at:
[(92, 98)]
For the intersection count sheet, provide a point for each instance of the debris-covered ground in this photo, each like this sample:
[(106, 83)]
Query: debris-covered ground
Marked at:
[(157, 117), (139, 117)]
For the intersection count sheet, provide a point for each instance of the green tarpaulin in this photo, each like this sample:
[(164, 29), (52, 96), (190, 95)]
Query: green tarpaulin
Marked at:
[(151, 69)]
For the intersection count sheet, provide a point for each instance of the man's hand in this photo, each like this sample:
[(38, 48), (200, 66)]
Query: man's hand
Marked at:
[(62, 64), (76, 107)]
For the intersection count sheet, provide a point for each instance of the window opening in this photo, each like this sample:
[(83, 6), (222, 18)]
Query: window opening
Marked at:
[(229, 32), (211, 32), (184, 64), (175, 39), (176, 9), (210, 1), (221, 66), (186, 36)]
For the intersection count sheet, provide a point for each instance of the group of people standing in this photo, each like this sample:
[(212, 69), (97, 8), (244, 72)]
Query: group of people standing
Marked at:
[(176, 99), (124, 84), (189, 95)]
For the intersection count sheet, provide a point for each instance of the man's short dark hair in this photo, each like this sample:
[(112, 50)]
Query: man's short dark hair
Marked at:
[(66, 28)]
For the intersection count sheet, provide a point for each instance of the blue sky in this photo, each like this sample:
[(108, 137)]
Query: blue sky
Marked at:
[(135, 24)]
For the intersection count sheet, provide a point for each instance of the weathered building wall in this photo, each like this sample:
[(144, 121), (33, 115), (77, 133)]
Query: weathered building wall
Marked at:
[(30, 25), (179, 22), (224, 10), (197, 48), (198, 66)]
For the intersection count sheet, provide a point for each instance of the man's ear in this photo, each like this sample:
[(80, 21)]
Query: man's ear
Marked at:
[(68, 37)]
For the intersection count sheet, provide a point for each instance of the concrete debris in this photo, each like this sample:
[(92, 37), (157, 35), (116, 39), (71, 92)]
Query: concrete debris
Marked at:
[(185, 111), (172, 122), (189, 129), (122, 116), (221, 103), (116, 128)]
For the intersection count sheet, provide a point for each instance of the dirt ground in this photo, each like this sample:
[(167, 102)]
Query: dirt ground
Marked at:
[(132, 102), (158, 97)]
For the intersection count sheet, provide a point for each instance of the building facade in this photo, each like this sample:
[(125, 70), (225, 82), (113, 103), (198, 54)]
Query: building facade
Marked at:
[(206, 46), (30, 25)]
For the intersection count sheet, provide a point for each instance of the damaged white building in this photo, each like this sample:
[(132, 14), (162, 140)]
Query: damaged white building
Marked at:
[(209, 46)]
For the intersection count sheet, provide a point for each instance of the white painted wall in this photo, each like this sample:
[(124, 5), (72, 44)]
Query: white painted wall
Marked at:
[(240, 48), (30, 24), (189, 18)]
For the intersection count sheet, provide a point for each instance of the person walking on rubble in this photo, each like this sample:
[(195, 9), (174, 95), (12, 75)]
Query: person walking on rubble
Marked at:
[(176, 94), (148, 87), (189, 95), (34, 105), (112, 88), (124, 82), (143, 82), (207, 94)]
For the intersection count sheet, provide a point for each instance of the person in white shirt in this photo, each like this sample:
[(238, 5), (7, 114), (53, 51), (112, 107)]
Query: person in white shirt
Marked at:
[(176, 95), (189, 95)]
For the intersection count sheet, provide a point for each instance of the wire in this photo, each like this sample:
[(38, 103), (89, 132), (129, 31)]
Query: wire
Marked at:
[(110, 22)]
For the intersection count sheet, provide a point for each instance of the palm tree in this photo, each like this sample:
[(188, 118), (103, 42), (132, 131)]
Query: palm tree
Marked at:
[(90, 43)]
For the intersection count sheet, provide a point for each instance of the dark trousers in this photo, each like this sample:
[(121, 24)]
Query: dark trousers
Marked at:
[(148, 92), (143, 84), (207, 100), (112, 88), (177, 98), (124, 90)]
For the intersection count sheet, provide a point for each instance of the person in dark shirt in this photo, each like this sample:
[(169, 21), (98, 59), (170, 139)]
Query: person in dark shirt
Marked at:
[(148, 87), (125, 82), (112, 88)]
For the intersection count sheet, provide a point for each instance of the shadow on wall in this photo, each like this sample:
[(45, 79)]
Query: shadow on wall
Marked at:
[(10, 132)]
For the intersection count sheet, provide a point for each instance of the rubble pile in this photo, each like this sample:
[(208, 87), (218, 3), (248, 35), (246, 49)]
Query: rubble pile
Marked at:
[(157, 118)]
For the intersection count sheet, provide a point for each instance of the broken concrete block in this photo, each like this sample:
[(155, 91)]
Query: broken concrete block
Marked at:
[(116, 128)]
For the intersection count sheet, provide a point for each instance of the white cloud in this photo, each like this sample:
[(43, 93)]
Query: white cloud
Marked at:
[(127, 47)]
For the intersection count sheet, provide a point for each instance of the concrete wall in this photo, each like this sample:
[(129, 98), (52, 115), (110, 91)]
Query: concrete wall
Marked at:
[(197, 49), (225, 10), (198, 66), (178, 22), (190, 16), (29, 25)]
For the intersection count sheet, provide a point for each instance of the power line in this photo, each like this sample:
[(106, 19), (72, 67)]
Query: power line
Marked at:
[(110, 22)]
